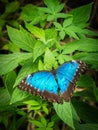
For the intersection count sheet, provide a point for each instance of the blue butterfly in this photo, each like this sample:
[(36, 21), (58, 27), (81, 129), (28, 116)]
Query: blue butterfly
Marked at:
[(56, 85)]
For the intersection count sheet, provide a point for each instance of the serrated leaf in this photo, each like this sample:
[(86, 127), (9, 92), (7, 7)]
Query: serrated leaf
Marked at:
[(4, 99), (21, 38), (11, 61), (38, 50), (57, 25), (49, 60), (64, 111), (67, 22), (17, 96), (90, 58), (28, 68), (71, 33), (86, 44), (81, 14), (37, 32), (54, 6), (9, 81)]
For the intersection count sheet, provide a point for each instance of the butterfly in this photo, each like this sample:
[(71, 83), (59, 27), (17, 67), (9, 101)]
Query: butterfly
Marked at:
[(56, 85)]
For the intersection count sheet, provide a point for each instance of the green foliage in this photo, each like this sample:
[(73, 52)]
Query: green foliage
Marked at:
[(43, 45)]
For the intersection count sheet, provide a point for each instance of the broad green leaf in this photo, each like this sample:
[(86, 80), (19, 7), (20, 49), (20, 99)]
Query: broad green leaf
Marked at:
[(9, 81), (71, 33), (90, 58), (57, 25), (85, 94), (13, 47), (37, 32), (4, 99), (95, 89), (86, 81), (86, 44), (85, 111), (44, 121), (11, 7), (18, 95), (62, 34), (49, 60), (67, 22), (88, 126), (37, 123), (64, 111), (21, 38), (11, 61), (28, 68), (54, 6), (81, 14), (38, 50), (29, 12)]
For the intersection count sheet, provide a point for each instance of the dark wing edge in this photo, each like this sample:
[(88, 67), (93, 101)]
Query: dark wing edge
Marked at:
[(68, 93), (45, 94)]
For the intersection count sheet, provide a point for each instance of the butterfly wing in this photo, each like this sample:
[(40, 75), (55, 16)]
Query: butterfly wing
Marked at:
[(42, 83), (67, 75)]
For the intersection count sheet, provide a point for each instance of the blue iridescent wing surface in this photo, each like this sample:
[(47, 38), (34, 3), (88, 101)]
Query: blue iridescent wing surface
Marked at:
[(43, 81), (65, 74)]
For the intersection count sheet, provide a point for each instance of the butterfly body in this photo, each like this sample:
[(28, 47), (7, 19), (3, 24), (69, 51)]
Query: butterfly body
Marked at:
[(57, 85)]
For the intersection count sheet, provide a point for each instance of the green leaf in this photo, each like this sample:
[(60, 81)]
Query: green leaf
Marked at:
[(95, 89), (85, 111), (11, 61), (64, 111), (81, 14), (4, 99), (28, 68), (49, 60), (38, 50), (21, 38), (37, 123), (71, 33), (18, 95), (58, 26), (86, 81), (37, 32), (29, 12), (67, 22), (54, 6), (9, 81), (88, 126), (90, 58), (86, 44), (11, 7)]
